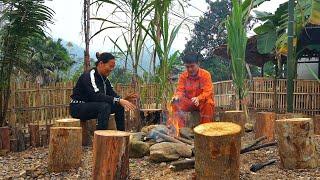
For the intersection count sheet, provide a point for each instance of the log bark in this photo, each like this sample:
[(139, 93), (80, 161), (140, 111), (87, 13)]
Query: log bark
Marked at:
[(64, 148), (110, 155), (85, 133), (34, 135), (296, 144), (237, 117), (264, 125), (70, 122), (217, 150), (316, 123), (5, 138)]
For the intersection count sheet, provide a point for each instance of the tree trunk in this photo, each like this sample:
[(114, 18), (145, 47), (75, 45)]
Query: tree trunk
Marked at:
[(64, 148), (111, 155), (67, 123), (316, 123), (34, 135), (86, 27), (296, 143), (217, 150), (5, 138), (237, 117), (264, 125)]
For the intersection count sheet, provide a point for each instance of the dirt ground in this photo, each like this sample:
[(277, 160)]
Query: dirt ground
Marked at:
[(32, 164)]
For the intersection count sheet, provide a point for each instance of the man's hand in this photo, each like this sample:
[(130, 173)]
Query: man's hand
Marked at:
[(195, 101), (127, 105), (131, 97)]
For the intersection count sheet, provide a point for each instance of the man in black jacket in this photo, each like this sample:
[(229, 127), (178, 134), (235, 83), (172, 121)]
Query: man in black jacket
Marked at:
[(94, 97)]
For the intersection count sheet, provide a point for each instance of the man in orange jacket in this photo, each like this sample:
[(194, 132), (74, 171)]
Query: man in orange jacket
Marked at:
[(194, 91)]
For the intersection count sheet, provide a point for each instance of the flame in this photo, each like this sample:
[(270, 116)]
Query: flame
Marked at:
[(173, 123), (173, 126)]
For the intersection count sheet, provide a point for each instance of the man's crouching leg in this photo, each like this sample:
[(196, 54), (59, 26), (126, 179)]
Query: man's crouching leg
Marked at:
[(206, 112), (119, 116), (103, 116)]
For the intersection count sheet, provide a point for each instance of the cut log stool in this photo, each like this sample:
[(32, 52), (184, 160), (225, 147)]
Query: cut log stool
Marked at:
[(65, 148), (217, 150), (89, 126), (34, 131), (297, 149), (237, 117), (5, 139), (316, 123), (264, 126), (110, 155), (70, 122)]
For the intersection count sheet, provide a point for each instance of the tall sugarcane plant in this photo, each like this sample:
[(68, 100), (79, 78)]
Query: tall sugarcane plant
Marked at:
[(237, 42)]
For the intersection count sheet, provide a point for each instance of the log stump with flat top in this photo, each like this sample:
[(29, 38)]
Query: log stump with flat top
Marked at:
[(110, 155), (34, 132), (316, 123), (217, 151), (237, 117), (5, 139), (65, 148), (69, 122), (89, 126), (296, 145), (264, 126)]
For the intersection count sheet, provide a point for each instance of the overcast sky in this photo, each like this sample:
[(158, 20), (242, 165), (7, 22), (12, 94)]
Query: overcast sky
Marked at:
[(68, 19)]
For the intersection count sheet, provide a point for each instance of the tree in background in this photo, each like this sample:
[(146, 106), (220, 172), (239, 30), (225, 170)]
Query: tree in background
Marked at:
[(208, 34), (49, 60), (21, 20)]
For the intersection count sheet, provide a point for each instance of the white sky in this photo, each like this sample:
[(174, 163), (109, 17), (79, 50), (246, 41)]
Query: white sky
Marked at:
[(68, 19)]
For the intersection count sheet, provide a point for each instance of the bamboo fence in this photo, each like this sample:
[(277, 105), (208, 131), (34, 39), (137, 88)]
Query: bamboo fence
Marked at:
[(30, 103)]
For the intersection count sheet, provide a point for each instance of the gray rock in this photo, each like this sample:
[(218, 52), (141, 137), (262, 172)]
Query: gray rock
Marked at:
[(137, 136), (138, 149), (168, 151), (160, 128), (186, 132)]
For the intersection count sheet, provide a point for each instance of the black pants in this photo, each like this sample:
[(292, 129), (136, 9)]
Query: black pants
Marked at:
[(99, 110)]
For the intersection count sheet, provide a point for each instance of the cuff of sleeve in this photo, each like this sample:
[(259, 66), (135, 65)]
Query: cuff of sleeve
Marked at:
[(116, 100)]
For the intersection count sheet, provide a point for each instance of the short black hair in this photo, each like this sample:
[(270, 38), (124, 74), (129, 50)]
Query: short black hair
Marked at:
[(190, 58), (104, 57)]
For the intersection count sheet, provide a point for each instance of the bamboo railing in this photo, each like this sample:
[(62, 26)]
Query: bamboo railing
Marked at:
[(30, 103)]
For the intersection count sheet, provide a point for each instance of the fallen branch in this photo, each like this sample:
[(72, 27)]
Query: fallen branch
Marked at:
[(253, 143), (182, 164), (166, 137), (185, 140), (258, 147), (256, 167)]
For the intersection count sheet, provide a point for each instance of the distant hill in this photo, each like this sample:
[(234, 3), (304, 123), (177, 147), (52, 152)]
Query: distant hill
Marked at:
[(76, 53)]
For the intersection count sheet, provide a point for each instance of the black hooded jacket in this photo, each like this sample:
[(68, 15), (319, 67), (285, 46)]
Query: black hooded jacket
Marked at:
[(92, 87)]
